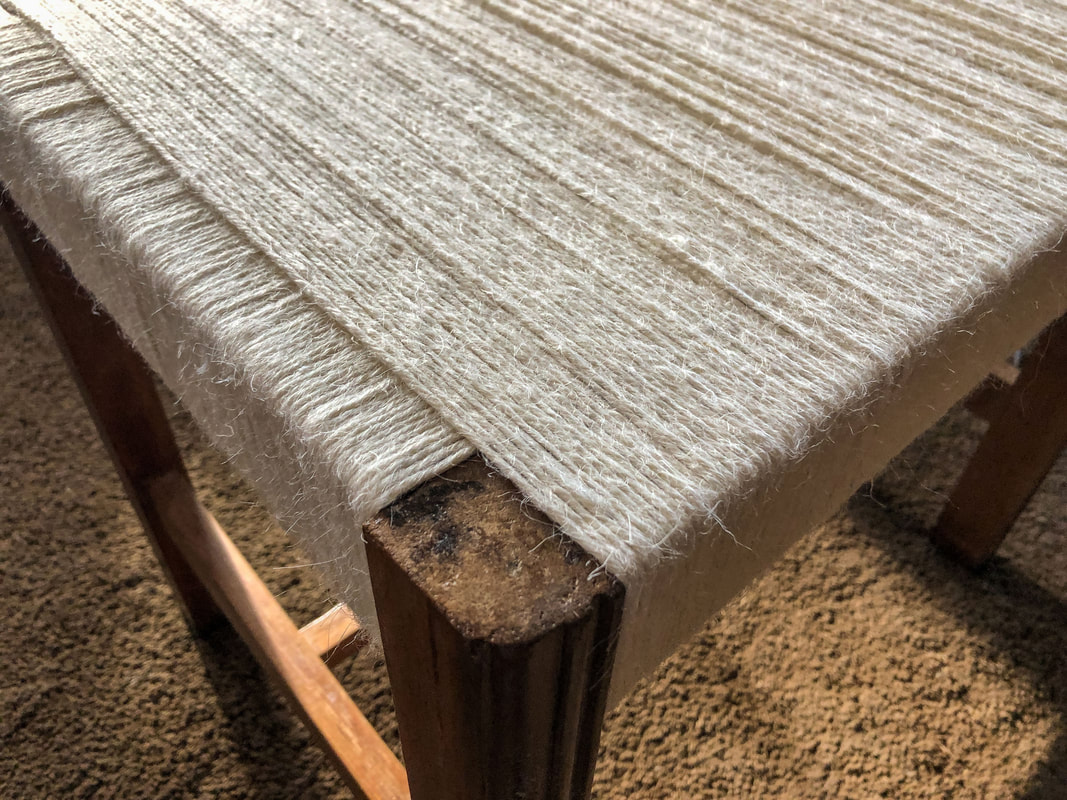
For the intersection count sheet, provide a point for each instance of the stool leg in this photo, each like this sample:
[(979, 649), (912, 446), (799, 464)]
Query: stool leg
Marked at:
[(497, 695), (1025, 436), (194, 552), (119, 391)]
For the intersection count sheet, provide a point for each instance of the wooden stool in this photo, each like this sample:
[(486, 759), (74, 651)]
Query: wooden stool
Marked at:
[(500, 675)]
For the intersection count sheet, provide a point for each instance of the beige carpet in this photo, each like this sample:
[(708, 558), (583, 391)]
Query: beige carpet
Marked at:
[(864, 665)]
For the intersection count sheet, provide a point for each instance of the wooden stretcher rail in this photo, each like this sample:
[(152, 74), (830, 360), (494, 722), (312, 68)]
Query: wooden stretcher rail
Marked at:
[(296, 667), (336, 635)]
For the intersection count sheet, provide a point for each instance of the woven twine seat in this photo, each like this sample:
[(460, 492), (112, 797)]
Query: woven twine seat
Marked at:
[(685, 275)]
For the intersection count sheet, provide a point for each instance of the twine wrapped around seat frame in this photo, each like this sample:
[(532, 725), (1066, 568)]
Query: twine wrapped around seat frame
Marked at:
[(647, 259)]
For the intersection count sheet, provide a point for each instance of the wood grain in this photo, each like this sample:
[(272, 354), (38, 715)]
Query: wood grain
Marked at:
[(499, 638)]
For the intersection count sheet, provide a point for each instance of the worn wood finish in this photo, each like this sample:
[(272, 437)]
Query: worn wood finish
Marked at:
[(119, 391), (360, 755), (335, 635), (1027, 431), (499, 644)]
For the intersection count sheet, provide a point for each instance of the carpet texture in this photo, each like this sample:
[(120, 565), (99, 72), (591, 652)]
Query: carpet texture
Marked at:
[(863, 665)]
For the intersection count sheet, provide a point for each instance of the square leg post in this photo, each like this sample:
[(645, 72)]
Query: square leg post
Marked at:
[(1027, 431), (499, 644)]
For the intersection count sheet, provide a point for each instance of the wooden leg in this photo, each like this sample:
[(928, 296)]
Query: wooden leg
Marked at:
[(209, 575), (498, 644), (286, 655), (118, 388), (1027, 431)]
